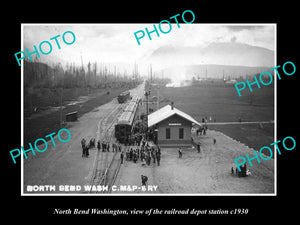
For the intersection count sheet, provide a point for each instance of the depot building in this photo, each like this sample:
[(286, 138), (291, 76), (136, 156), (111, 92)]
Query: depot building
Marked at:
[(171, 127)]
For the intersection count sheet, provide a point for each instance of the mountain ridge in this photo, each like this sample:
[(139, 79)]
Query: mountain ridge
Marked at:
[(220, 53)]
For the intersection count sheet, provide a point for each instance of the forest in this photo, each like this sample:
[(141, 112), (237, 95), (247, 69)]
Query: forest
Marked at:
[(49, 86)]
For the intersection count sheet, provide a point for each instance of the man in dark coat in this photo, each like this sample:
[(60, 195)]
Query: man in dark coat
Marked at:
[(87, 151), (83, 141), (122, 157), (144, 180), (98, 145), (92, 142), (180, 153), (198, 147), (158, 157), (83, 151), (134, 157)]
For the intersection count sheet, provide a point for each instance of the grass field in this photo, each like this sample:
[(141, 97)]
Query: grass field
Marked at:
[(221, 103)]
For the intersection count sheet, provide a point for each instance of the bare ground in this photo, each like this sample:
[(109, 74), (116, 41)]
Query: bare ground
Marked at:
[(63, 164), (207, 172)]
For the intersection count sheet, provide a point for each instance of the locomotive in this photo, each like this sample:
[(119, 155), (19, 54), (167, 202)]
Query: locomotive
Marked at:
[(123, 97)]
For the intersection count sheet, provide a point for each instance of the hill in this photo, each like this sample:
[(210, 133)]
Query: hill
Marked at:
[(232, 53)]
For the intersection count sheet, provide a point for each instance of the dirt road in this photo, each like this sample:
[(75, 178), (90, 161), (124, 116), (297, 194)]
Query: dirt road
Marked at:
[(207, 172), (64, 164)]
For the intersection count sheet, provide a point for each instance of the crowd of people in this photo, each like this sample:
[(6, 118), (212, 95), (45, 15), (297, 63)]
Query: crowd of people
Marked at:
[(105, 146), (243, 173), (144, 152), (138, 150), (201, 130)]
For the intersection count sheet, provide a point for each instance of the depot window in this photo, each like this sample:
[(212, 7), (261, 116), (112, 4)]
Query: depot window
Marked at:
[(168, 133), (181, 133)]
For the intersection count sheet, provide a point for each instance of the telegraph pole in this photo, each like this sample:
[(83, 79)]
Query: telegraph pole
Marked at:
[(147, 93), (60, 117), (157, 97)]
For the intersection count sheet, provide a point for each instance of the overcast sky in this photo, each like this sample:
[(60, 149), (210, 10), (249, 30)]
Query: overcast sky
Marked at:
[(114, 43)]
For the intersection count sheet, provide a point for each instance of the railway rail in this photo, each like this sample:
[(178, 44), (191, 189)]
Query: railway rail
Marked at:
[(107, 164)]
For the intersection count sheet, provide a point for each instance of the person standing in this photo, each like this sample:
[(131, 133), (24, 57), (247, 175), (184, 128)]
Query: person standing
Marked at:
[(83, 151), (158, 157), (149, 157), (180, 153), (98, 145), (198, 147), (83, 143), (86, 151), (143, 162), (122, 157), (144, 180), (153, 154)]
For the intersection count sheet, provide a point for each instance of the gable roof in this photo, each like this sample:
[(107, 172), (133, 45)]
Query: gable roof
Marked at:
[(166, 112)]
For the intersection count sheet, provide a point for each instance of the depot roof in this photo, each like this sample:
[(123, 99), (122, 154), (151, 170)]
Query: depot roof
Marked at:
[(166, 112)]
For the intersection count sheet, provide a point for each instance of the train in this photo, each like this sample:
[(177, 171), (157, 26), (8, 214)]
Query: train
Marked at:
[(123, 97), (124, 126)]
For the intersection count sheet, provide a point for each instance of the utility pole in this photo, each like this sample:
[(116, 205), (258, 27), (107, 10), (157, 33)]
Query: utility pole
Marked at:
[(60, 117), (81, 62), (147, 93), (157, 97), (150, 72), (83, 70)]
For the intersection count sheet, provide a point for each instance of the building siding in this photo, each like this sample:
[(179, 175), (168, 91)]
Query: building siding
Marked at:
[(178, 122)]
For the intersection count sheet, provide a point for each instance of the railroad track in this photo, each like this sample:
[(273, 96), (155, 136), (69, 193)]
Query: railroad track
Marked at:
[(112, 172), (107, 164)]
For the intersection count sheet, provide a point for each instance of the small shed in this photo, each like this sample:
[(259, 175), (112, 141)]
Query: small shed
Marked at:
[(72, 116), (171, 127)]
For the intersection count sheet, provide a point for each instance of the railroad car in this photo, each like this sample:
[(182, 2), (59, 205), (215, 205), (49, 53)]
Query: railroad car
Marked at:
[(124, 126), (123, 97)]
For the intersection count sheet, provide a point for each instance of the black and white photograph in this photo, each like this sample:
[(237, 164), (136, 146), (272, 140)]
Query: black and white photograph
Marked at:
[(110, 113), (150, 111)]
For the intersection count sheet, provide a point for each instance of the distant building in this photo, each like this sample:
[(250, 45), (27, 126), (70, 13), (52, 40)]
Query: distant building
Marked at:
[(231, 81), (172, 127)]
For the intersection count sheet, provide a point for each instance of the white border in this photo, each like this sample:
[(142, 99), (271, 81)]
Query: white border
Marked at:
[(166, 194)]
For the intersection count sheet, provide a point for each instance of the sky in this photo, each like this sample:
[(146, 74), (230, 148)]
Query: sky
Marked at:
[(116, 43)]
